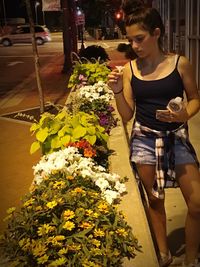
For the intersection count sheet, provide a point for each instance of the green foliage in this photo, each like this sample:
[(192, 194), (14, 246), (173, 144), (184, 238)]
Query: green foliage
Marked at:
[(88, 73), (53, 132)]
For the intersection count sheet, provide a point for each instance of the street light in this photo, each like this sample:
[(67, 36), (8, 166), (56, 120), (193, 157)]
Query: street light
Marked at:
[(36, 14), (80, 20)]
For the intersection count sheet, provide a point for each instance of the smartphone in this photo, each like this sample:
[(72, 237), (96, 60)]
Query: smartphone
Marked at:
[(161, 111)]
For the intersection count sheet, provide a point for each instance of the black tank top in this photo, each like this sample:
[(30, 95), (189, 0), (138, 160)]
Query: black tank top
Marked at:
[(155, 94)]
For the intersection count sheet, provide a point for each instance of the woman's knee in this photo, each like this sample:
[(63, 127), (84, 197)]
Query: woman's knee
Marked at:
[(155, 203), (194, 207)]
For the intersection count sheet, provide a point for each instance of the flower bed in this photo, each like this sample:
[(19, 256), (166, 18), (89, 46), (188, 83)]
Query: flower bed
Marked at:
[(70, 218)]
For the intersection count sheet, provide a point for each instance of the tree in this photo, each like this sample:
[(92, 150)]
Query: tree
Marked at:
[(35, 54), (69, 32)]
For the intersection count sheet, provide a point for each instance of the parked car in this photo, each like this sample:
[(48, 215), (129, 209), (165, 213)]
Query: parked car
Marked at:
[(22, 34)]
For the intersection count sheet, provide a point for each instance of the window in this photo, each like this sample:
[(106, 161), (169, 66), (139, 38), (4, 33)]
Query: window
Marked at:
[(39, 29)]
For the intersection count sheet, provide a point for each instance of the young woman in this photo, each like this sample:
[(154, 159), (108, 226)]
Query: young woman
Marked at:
[(161, 152)]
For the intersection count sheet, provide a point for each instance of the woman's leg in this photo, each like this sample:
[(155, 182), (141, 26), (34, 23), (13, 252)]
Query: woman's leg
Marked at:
[(156, 207), (189, 179)]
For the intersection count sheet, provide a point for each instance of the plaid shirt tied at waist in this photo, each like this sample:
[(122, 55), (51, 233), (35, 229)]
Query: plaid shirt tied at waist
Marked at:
[(165, 154)]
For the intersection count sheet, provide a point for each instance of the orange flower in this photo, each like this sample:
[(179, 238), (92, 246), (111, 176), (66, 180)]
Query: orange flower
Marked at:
[(89, 152)]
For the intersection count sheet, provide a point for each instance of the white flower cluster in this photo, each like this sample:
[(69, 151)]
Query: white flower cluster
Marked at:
[(98, 91), (71, 162)]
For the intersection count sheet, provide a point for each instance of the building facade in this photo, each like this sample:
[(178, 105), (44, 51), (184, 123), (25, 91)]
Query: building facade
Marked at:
[(182, 25)]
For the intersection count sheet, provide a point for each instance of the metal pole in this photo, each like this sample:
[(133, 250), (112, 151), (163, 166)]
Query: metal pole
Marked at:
[(36, 19), (4, 13), (36, 12), (43, 17), (82, 40)]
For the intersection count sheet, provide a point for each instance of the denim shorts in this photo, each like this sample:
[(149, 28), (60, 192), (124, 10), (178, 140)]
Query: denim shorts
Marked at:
[(143, 151)]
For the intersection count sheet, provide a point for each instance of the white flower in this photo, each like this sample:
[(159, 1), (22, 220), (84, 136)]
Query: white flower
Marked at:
[(121, 188), (71, 162), (97, 91), (102, 184), (110, 195)]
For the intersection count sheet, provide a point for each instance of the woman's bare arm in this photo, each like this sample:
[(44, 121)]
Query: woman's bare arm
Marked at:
[(121, 86)]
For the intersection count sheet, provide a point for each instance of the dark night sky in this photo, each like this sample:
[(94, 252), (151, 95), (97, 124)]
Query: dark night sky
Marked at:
[(15, 8)]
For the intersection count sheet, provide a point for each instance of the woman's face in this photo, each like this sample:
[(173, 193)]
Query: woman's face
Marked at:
[(142, 42)]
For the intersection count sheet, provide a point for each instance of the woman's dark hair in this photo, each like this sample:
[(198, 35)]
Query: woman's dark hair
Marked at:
[(136, 12), (127, 50)]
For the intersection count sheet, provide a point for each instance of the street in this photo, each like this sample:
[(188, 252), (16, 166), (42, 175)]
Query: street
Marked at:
[(16, 62), (18, 81)]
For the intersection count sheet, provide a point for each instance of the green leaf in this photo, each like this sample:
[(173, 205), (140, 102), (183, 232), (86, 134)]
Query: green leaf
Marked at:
[(45, 117), (91, 130), (42, 134), (34, 147), (91, 139), (65, 139), (78, 132), (61, 115), (34, 127), (104, 136), (100, 128), (55, 126), (55, 142), (75, 121)]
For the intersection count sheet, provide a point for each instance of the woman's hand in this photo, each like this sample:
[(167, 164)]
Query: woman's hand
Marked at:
[(115, 80), (169, 116)]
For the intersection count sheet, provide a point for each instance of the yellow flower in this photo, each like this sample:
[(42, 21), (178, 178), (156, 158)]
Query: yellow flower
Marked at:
[(68, 214), (96, 251), (54, 240), (121, 232), (88, 212), (11, 210), (63, 251), (60, 200), (86, 225), (74, 247), (69, 226), (93, 194), (46, 177), (39, 249), (52, 204), (116, 253), (59, 238), (88, 263), (58, 262), (55, 171), (96, 242), (29, 202), (44, 195), (78, 190), (95, 215), (59, 184), (45, 229), (70, 177), (99, 232), (42, 259), (38, 208), (25, 244), (103, 207)]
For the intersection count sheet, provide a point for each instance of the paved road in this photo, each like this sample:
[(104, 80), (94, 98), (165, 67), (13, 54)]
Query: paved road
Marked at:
[(17, 64)]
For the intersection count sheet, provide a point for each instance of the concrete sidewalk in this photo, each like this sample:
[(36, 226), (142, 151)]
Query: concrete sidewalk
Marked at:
[(15, 138)]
